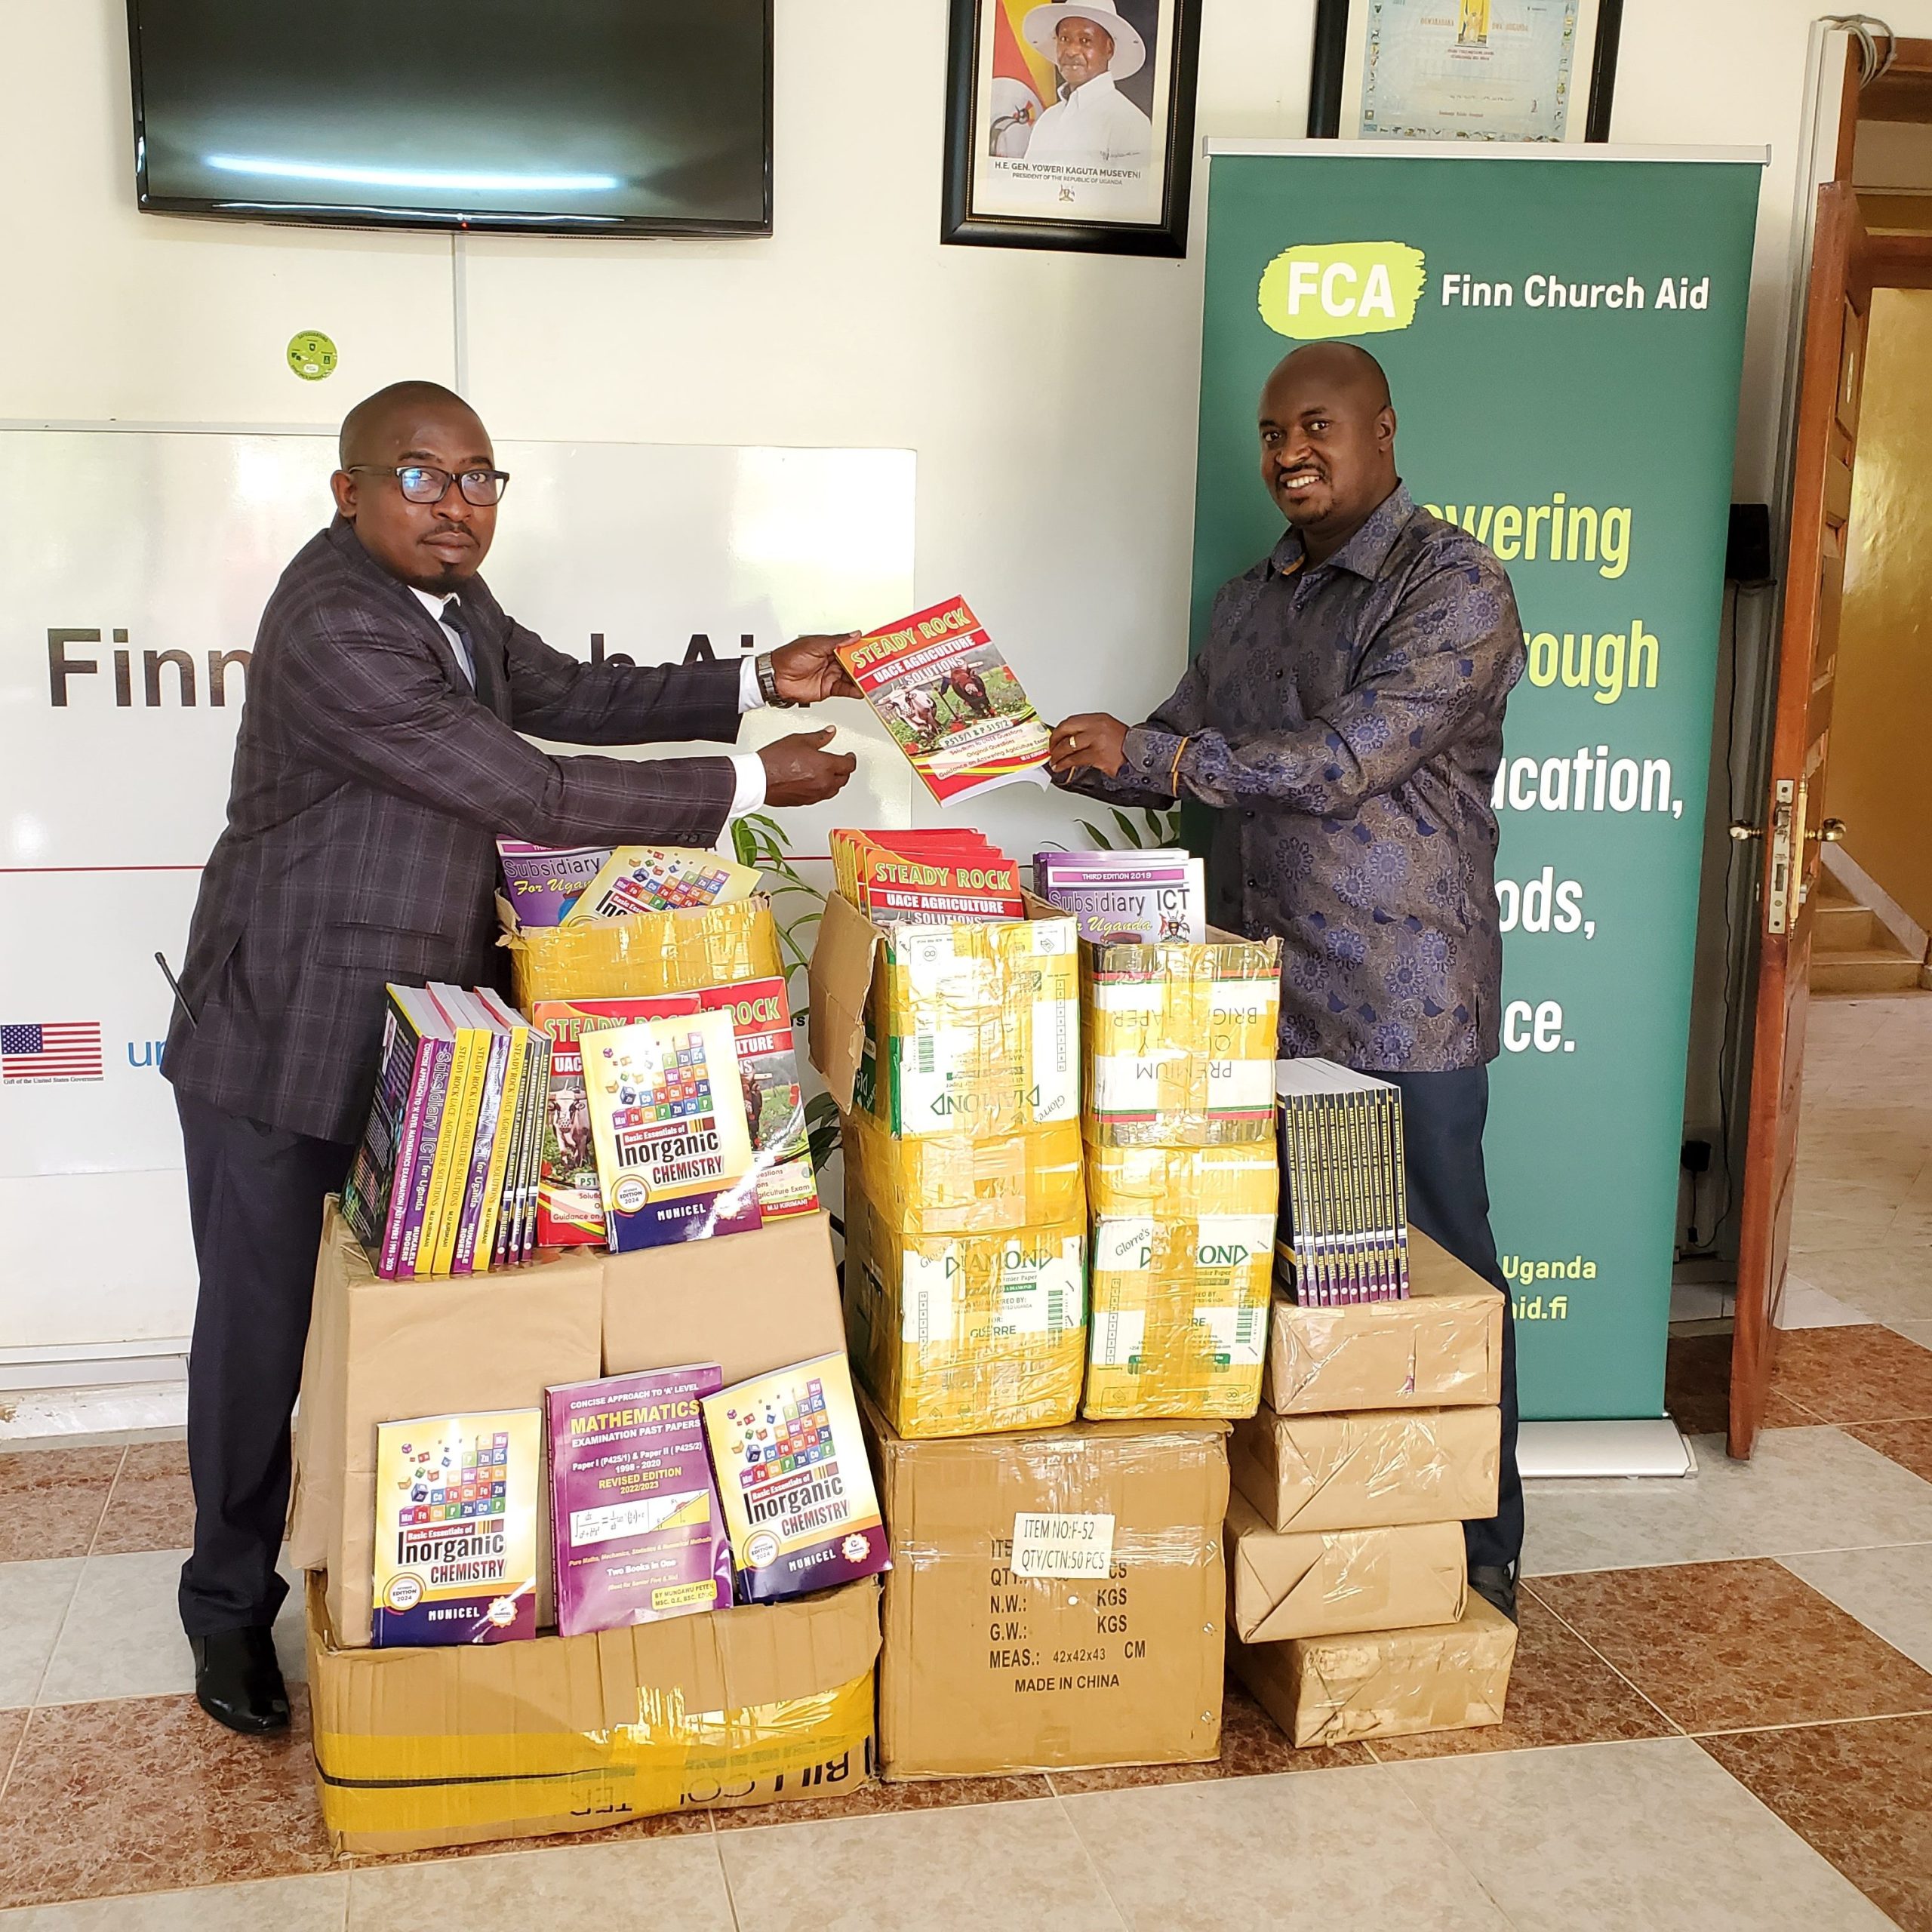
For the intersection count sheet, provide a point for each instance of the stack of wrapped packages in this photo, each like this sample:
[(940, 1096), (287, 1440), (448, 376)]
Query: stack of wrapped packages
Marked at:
[(1377, 1438), (1058, 1590), (632, 1615)]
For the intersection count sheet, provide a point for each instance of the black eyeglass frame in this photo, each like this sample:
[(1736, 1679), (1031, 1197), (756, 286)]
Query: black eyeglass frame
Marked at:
[(500, 477)]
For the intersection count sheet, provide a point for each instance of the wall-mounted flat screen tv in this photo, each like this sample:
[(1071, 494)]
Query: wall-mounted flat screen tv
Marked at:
[(581, 117)]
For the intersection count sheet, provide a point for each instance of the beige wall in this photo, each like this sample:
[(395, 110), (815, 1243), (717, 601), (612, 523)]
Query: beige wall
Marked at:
[(1879, 780)]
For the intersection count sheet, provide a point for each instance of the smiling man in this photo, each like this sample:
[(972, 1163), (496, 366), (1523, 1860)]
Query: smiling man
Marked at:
[(1092, 124), (1343, 723), (378, 759)]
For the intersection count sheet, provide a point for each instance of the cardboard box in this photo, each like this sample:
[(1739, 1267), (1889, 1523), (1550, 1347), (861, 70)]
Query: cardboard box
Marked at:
[(1057, 1601), (1180, 1040), (1184, 1183), (1180, 1321), (420, 1748), (751, 1302), (970, 1027), (1319, 1582), (383, 1351), (649, 952), (1440, 1348), (963, 1334), (966, 1183), (1369, 1470), (1384, 1683)]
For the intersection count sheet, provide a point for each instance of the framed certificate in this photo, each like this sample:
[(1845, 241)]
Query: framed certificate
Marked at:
[(1464, 70)]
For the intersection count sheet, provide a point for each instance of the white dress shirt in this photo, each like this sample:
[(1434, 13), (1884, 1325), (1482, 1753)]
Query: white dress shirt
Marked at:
[(747, 768), (1095, 126)]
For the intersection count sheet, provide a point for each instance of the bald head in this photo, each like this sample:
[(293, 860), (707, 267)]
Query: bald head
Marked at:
[(1328, 442), (369, 429)]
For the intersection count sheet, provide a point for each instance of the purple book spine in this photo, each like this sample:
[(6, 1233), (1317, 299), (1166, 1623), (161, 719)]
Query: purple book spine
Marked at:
[(465, 1262), (409, 1136), (442, 1057)]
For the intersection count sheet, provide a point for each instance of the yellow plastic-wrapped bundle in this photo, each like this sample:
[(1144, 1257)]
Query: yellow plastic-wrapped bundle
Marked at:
[(965, 1334), (962, 1183), (1180, 1322), (649, 952), (975, 1028), (1184, 1183), (1180, 1041)]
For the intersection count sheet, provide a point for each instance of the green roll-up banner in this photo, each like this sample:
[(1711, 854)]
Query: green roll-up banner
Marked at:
[(1564, 332)]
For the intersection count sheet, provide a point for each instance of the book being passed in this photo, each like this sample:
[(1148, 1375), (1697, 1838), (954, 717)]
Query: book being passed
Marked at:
[(660, 878), (1344, 1232), (950, 700), (796, 1486), (667, 1118), (456, 1528), (639, 1535), (1138, 898)]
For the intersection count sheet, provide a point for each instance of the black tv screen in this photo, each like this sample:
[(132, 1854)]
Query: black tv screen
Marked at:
[(551, 116)]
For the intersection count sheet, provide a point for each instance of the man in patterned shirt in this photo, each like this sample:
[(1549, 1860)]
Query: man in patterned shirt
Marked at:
[(1344, 723)]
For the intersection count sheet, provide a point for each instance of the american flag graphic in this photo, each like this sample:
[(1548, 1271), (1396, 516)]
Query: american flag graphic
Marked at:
[(50, 1049)]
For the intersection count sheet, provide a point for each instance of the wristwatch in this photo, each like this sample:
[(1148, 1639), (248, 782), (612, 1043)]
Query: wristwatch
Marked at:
[(767, 684)]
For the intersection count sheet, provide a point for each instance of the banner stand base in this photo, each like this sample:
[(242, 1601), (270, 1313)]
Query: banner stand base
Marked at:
[(1645, 1448)]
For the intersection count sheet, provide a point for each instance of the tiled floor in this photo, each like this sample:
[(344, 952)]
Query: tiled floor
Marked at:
[(1722, 1713)]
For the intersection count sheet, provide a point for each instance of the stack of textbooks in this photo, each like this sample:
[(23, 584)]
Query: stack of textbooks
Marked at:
[(1344, 1234), (925, 877), (1136, 898), (553, 887), (445, 1180)]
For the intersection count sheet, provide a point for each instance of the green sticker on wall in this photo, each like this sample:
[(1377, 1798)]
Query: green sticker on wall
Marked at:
[(311, 356)]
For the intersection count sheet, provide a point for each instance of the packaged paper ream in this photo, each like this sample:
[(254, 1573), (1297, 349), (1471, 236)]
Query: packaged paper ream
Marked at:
[(797, 1489), (650, 952), (968, 1183), (965, 1334), (1180, 1041), (1179, 1323), (1184, 1183), (975, 1028)]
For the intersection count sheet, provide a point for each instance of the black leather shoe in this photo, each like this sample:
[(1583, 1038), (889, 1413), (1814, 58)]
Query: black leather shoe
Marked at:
[(237, 1680), (1495, 1586)]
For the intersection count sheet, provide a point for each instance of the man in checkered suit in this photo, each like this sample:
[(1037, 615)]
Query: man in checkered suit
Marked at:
[(380, 756)]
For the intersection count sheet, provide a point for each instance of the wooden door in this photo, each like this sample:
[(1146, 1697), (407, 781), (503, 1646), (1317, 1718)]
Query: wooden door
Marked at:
[(1788, 837)]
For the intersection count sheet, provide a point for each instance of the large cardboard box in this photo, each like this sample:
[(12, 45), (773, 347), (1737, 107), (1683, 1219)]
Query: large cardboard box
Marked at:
[(1319, 1582), (751, 1303), (467, 1743), (1057, 1598), (1368, 1470), (1441, 1347), (1384, 1683), (1180, 1040), (941, 1029), (962, 1334), (650, 952), (383, 1351), (968, 1183)]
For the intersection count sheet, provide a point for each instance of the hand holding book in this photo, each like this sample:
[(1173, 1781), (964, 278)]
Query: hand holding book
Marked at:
[(1089, 737), (807, 671)]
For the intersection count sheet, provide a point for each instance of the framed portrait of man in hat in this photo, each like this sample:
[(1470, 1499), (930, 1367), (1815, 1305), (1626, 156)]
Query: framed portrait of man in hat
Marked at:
[(1070, 124)]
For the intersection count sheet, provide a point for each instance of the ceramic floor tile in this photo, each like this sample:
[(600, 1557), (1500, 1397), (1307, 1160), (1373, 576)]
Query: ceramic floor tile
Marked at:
[(1863, 1374), (1720, 1646), (13, 1728), (51, 1500), (1651, 1834), (1561, 1692), (1891, 1284), (995, 1868), (1804, 1489), (1696, 1388), (1889, 1591), (122, 1637), (1339, 1851), (313, 1904), (879, 1799), (511, 1891), (1907, 1443), (152, 1506), (34, 1599), (1805, 1305), (1861, 1794), (190, 1803), (1920, 1332)]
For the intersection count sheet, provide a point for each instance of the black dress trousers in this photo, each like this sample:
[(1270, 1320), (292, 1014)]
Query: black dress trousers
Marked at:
[(1443, 1117), (255, 1196)]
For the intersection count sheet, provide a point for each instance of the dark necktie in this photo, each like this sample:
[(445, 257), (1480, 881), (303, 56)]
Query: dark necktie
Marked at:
[(454, 618)]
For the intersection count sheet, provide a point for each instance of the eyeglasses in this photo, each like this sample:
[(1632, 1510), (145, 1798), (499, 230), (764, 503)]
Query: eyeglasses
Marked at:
[(420, 484)]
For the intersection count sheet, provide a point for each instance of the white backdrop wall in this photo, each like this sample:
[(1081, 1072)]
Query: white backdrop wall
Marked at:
[(1050, 399)]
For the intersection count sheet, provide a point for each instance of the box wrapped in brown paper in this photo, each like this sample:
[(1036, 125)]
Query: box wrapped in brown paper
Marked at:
[(1318, 1583), (1368, 1470), (1441, 1347), (383, 1351), (1057, 1599), (1384, 1683)]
